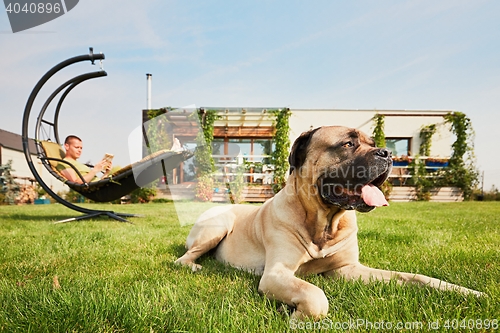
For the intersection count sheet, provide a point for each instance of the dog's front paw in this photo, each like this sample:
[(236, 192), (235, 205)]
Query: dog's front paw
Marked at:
[(286, 309), (194, 267)]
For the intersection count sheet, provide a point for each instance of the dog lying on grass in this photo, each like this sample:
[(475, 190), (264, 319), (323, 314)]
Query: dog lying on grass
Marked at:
[(309, 227)]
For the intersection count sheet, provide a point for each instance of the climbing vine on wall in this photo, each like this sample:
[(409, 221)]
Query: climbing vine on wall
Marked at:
[(153, 113), (378, 135), (419, 176), (378, 131), (282, 147), (426, 133), (420, 180), (461, 171), (204, 161), (157, 136)]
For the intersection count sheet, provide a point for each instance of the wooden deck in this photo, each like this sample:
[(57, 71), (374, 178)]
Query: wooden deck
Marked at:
[(253, 193), (443, 194), (261, 193)]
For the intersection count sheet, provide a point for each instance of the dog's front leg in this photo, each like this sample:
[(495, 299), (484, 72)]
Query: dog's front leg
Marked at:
[(368, 274), (279, 282)]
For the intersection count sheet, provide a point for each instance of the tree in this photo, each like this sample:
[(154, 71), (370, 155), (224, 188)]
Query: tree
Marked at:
[(8, 185)]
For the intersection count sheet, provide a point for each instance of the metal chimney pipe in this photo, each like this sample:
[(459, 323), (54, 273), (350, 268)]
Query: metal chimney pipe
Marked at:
[(148, 76)]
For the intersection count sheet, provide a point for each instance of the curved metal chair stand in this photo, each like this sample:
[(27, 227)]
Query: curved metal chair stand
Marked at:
[(117, 185)]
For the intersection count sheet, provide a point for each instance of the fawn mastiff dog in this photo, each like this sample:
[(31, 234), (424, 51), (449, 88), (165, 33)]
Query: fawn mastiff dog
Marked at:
[(309, 227)]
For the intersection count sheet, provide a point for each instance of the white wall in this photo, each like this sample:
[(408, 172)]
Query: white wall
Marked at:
[(21, 169), (398, 123)]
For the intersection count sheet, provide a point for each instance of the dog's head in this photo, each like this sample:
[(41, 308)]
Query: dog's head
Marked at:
[(343, 165)]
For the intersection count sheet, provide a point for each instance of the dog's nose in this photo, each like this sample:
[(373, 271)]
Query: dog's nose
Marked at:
[(382, 152)]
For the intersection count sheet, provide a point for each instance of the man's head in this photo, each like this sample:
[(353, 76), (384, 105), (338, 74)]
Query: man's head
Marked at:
[(73, 146)]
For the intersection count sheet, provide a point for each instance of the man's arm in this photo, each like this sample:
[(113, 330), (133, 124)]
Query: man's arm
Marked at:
[(71, 175)]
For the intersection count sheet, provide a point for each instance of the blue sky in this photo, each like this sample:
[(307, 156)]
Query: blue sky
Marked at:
[(300, 54)]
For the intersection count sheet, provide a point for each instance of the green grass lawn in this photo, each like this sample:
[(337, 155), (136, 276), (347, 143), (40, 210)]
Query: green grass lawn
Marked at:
[(119, 277)]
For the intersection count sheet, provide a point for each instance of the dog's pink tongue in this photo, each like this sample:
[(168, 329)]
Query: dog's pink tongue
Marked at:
[(372, 196)]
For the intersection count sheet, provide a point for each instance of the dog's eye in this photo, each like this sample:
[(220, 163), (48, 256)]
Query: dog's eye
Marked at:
[(348, 144)]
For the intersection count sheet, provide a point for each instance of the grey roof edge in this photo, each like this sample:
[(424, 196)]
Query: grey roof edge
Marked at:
[(13, 141)]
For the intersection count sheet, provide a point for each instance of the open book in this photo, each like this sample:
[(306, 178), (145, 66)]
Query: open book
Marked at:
[(108, 158)]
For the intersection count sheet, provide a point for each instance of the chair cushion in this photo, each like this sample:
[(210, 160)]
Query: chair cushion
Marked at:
[(54, 150)]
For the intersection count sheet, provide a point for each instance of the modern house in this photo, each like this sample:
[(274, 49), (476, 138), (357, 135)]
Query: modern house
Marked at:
[(244, 140)]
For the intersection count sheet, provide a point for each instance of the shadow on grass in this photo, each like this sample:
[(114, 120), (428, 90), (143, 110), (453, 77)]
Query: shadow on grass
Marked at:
[(390, 238), (211, 265), (224, 275), (55, 218), (177, 249), (37, 218)]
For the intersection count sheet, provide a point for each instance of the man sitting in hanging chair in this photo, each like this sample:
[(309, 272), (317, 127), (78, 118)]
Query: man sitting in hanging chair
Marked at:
[(73, 146)]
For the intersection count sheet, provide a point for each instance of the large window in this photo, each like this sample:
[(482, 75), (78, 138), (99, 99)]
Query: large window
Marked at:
[(254, 150), (245, 146), (399, 146), (244, 156), (263, 147)]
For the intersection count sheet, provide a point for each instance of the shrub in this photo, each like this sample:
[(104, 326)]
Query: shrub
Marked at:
[(143, 194), (204, 188)]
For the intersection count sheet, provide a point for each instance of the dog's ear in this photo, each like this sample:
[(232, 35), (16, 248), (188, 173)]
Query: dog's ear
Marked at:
[(299, 150)]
